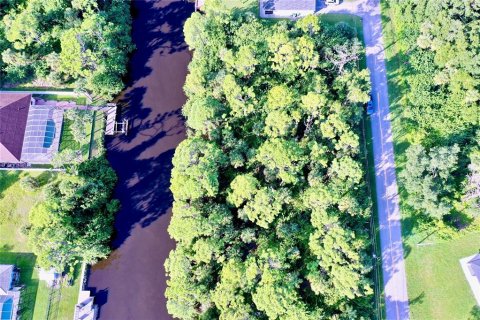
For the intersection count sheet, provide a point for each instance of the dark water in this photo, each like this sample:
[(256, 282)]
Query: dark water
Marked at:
[(131, 283)]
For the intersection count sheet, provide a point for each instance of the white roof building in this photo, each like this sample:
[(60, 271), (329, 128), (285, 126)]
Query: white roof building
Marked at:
[(9, 295), (471, 269), (286, 8)]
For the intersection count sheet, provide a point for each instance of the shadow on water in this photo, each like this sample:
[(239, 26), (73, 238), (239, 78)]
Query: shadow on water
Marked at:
[(156, 25), (130, 284)]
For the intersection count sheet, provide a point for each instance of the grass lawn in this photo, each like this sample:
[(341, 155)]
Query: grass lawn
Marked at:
[(68, 142), (436, 285), (81, 100), (15, 203), (98, 134)]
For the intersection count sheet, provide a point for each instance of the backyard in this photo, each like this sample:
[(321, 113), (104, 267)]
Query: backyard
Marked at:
[(92, 145), (68, 142), (437, 287), (15, 203)]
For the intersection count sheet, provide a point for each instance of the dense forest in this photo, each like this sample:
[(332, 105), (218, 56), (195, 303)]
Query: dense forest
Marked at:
[(271, 210), (439, 42), (80, 43)]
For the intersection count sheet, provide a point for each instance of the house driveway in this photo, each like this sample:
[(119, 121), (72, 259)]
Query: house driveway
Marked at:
[(393, 264), (131, 283)]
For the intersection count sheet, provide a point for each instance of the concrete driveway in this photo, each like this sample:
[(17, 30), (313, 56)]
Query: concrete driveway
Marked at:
[(393, 264)]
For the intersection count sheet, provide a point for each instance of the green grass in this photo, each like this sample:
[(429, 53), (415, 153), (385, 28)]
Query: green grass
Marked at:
[(68, 142), (15, 203), (62, 310), (251, 5), (377, 270), (98, 134), (353, 21), (436, 285), (80, 99)]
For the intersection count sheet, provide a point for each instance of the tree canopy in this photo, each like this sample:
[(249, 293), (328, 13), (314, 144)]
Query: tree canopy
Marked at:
[(439, 44), (75, 222), (80, 42), (270, 209)]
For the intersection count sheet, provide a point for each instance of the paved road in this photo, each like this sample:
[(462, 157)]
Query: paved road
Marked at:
[(393, 264), (131, 283)]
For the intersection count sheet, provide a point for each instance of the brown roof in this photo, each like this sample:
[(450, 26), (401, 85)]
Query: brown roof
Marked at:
[(13, 120)]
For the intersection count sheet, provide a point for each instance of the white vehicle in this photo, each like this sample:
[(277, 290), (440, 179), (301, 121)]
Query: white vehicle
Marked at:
[(328, 2)]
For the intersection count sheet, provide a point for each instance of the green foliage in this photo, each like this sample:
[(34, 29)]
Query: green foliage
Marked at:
[(29, 183), (80, 119), (66, 157), (76, 219), (271, 211), (428, 178), (81, 41), (471, 190), (439, 41)]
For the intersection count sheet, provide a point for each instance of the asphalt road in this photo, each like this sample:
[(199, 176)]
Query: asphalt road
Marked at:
[(131, 283), (393, 264)]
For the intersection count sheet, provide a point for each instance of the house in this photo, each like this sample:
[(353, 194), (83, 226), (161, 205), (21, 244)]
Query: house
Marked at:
[(85, 308), (471, 269), (29, 133), (9, 295), (286, 8)]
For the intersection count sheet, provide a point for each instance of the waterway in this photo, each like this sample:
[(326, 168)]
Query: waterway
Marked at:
[(131, 283)]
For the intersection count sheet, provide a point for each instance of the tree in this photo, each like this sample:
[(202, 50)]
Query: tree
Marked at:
[(341, 55), (75, 222), (471, 189), (196, 169), (78, 123), (244, 188), (428, 178), (270, 210), (440, 107), (283, 158), (60, 42)]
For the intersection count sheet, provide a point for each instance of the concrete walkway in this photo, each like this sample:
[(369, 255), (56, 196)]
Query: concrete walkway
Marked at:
[(393, 264), (60, 93)]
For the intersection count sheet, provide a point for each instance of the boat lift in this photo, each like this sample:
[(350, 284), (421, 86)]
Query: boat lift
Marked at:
[(121, 127)]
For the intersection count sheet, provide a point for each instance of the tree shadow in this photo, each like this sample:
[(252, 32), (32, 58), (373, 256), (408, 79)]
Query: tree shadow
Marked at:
[(418, 299), (143, 160), (6, 248), (45, 178), (7, 179), (156, 24), (143, 187)]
